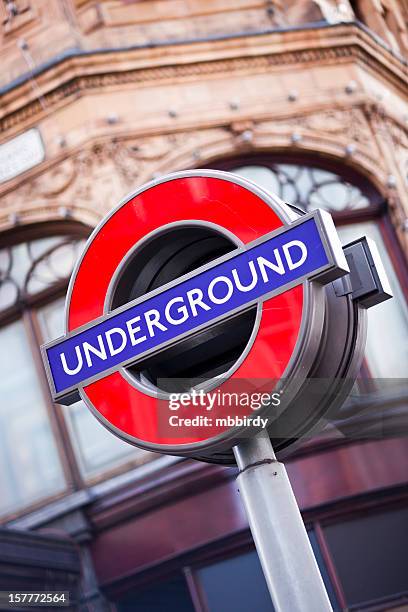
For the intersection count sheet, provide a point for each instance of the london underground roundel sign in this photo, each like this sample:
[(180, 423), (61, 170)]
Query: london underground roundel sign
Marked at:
[(199, 275)]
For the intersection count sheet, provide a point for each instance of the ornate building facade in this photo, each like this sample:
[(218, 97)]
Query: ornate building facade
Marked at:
[(307, 97)]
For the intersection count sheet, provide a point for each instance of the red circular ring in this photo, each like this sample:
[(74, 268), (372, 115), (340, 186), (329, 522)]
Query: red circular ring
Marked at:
[(243, 211)]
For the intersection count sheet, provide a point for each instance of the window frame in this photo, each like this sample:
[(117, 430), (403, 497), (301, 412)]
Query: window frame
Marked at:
[(26, 311), (348, 173)]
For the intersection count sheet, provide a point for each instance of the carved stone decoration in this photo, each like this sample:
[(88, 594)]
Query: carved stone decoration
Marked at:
[(385, 18), (399, 135), (11, 9), (57, 180), (296, 12), (87, 184), (392, 141), (188, 150), (399, 209), (343, 133), (336, 10), (92, 181), (15, 15), (350, 122)]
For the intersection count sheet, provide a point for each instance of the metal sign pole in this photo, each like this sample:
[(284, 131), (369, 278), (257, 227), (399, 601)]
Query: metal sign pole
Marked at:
[(283, 546)]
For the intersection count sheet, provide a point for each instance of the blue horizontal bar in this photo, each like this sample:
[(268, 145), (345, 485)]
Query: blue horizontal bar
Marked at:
[(144, 327)]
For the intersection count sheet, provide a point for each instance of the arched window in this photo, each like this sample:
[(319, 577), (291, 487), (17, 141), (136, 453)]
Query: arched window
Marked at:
[(45, 450), (358, 209)]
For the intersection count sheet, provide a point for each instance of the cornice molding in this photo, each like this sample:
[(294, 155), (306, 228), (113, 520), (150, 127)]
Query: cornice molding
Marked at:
[(75, 76)]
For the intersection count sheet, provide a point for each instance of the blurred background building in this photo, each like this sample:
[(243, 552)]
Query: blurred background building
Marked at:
[(307, 98)]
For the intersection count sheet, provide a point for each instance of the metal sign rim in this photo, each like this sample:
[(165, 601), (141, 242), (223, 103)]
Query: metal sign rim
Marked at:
[(306, 342)]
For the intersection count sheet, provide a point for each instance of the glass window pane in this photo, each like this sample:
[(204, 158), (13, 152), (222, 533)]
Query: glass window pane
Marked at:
[(219, 583), (261, 175), (386, 352), (371, 555), (170, 596), (31, 267), (30, 468), (56, 263), (306, 187), (323, 570), (96, 449)]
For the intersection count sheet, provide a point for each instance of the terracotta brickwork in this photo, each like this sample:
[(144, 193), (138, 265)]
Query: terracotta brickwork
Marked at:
[(122, 91)]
